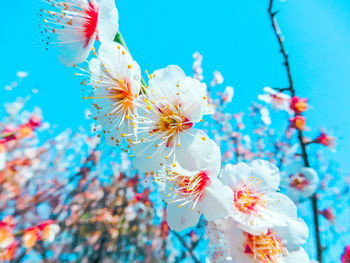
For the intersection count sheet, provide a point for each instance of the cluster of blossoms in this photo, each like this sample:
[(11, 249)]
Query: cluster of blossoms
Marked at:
[(299, 181), (155, 123)]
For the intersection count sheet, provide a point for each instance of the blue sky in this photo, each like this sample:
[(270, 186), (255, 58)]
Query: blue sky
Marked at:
[(235, 37)]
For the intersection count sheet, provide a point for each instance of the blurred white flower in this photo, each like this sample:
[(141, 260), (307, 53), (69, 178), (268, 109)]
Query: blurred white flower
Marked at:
[(278, 100), (217, 80), (22, 74), (299, 181), (228, 94), (265, 116)]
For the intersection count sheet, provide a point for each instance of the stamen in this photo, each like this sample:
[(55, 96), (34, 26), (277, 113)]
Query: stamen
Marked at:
[(246, 198), (265, 248)]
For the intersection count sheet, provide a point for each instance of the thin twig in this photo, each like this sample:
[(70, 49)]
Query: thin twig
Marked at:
[(190, 250), (286, 63)]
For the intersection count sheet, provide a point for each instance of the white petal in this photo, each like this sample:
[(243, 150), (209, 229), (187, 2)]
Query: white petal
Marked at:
[(294, 234), (197, 152), (164, 82), (148, 157), (232, 175), (193, 98), (217, 201), (267, 173), (75, 52), (311, 175), (117, 60), (278, 211), (281, 205), (180, 218), (235, 239), (107, 24), (299, 256)]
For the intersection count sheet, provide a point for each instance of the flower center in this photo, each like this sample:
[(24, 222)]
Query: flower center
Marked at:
[(192, 186), (171, 123), (265, 248), (298, 181), (246, 198), (121, 94), (195, 184), (90, 22)]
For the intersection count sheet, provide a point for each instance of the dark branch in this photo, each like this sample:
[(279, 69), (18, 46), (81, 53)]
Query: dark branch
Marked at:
[(286, 63), (280, 40), (189, 249)]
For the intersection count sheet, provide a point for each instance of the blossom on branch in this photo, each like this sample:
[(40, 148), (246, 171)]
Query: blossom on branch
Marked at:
[(190, 194), (299, 181), (173, 104), (298, 122), (256, 204), (298, 105), (278, 100), (327, 140), (76, 24), (277, 245), (116, 81)]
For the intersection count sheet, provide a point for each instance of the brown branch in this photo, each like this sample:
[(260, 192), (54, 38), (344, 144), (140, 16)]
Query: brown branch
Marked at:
[(282, 49), (300, 133)]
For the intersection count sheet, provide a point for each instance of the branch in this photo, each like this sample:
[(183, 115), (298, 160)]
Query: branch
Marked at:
[(286, 63), (280, 40), (190, 250)]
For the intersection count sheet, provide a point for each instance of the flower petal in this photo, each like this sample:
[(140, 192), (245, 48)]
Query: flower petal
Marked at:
[(180, 218), (148, 157), (193, 98), (107, 24), (299, 256), (197, 152), (267, 173), (74, 51), (217, 201), (164, 83), (295, 233), (232, 175)]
